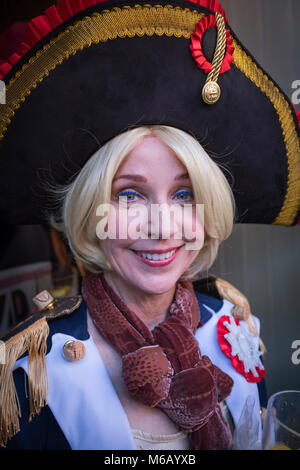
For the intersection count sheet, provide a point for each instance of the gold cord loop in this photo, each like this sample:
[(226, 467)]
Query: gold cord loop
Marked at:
[(211, 91)]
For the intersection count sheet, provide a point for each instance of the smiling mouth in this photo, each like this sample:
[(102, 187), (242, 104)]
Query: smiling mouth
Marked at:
[(155, 258)]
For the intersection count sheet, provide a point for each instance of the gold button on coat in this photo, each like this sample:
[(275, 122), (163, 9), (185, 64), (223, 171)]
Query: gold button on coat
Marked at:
[(73, 350)]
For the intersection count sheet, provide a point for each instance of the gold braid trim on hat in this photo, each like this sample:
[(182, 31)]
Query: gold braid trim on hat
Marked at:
[(99, 27), (220, 49), (33, 340), (211, 91), (291, 203)]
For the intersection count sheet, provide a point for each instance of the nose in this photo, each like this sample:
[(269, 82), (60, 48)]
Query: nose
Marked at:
[(164, 221)]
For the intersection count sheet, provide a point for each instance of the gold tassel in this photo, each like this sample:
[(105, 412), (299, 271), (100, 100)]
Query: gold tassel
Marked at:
[(232, 294), (32, 339), (37, 377)]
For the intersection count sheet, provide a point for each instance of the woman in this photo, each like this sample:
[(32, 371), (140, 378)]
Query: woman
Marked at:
[(172, 360), (179, 171), (146, 286)]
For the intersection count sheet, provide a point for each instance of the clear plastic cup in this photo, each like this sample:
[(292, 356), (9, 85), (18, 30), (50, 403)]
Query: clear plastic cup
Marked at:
[(281, 429)]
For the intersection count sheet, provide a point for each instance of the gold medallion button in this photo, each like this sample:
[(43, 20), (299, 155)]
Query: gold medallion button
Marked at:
[(211, 92), (73, 350)]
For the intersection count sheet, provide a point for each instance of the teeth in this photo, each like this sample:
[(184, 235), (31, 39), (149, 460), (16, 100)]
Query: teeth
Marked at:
[(156, 256)]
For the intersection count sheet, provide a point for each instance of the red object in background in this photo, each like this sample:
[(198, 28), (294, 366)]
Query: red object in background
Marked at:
[(40, 26), (11, 39), (298, 117)]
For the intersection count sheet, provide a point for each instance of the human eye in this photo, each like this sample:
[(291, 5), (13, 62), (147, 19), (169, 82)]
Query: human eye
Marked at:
[(127, 195), (182, 195)]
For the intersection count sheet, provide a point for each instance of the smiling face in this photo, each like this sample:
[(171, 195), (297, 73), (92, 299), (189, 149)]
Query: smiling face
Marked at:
[(152, 174)]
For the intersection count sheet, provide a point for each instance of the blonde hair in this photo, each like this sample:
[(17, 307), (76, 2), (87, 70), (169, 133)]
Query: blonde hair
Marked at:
[(92, 186)]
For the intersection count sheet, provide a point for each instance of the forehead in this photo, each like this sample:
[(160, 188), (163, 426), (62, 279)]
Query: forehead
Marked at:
[(151, 156)]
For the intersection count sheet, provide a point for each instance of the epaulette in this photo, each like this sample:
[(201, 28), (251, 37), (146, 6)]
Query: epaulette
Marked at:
[(29, 336), (221, 289)]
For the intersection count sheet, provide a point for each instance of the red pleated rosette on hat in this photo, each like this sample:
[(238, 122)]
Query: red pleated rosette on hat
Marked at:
[(241, 346), (203, 63)]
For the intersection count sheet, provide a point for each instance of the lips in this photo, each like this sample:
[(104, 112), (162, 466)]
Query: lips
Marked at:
[(158, 252), (158, 262), (156, 256)]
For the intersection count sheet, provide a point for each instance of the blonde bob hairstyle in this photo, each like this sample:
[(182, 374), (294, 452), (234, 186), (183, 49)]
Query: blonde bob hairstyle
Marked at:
[(92, 186)]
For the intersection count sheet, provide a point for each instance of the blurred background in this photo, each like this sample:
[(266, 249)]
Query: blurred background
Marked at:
[(261, 261)]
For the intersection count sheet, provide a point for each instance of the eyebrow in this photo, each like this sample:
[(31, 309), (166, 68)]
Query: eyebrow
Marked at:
[(142, 179)]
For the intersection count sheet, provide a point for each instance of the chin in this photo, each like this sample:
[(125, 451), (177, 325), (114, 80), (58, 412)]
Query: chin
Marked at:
[(158, 284)]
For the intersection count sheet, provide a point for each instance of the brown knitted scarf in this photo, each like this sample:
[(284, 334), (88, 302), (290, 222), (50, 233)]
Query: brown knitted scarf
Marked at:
[(164, 367)]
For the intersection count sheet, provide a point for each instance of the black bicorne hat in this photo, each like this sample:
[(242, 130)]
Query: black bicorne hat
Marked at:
[(92, 69)]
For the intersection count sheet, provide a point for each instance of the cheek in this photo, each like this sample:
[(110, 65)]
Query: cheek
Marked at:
[(113, 248), (123, 223), (117, 239), (193, 227), (113, 251), (193, 254)]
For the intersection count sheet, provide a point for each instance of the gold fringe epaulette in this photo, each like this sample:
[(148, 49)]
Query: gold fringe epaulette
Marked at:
[(29, 336)]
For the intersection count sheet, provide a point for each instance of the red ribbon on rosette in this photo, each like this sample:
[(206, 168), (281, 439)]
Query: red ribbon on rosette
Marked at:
[(240, 345), (196, 45)]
